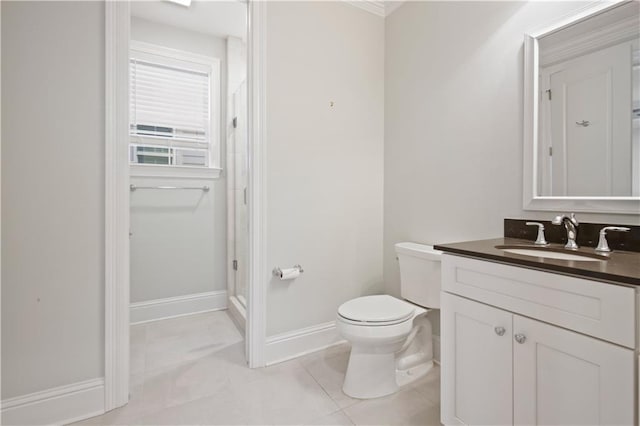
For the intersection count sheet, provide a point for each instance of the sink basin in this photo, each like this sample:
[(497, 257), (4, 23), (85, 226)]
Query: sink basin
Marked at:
[(552, 253)]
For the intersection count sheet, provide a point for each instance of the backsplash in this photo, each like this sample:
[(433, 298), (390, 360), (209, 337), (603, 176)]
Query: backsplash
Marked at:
[(588, 234)]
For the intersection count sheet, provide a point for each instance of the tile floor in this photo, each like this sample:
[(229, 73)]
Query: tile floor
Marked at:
[(191, 370)]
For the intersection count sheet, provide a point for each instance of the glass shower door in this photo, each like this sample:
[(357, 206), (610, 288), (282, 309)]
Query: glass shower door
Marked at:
[(241, 222)]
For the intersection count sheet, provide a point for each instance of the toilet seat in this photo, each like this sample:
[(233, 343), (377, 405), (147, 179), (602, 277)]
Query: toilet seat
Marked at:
[(378, 310)]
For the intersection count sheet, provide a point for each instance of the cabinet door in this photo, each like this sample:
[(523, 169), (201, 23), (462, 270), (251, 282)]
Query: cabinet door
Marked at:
[(564, 378), (476, 363)]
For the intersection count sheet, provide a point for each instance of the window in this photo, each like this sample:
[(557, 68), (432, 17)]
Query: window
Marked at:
[(174, 108)]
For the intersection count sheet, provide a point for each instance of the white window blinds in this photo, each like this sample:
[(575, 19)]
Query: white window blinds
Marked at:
[(169, 103), (174, 107)]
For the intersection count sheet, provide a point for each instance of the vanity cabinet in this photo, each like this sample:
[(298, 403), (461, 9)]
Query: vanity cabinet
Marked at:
[(525, 347), (477, 363), (561, 377)]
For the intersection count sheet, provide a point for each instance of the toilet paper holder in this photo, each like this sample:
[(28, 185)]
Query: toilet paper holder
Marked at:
[(277, 271)]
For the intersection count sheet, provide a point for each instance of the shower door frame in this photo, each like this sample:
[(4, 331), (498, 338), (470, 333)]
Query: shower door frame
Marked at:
[(237, 262), (116, 294)]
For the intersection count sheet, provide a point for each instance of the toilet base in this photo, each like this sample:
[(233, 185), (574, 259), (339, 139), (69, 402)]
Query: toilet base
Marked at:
[(404, 377), (375, 375), (379, 370), (370, 375)]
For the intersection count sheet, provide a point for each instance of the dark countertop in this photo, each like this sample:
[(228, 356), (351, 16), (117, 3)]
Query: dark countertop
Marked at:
[(622, 267)]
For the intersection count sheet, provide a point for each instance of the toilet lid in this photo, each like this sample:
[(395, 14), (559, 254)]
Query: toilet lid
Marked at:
[(376, 309)]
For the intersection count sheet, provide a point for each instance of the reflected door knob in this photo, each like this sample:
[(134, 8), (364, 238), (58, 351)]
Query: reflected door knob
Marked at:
[(500, 331), (520, 338)]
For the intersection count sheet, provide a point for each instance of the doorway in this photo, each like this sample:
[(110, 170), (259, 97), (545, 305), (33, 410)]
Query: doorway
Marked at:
[(118, 193), (188, 168)]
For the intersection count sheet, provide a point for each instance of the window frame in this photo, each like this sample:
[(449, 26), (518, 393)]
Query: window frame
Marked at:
[(177, 59)]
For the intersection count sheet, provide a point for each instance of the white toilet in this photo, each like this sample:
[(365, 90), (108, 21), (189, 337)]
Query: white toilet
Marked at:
[(390, 338)]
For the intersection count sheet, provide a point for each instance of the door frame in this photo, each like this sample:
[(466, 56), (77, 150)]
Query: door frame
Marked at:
[(116, 232), (259, 273)]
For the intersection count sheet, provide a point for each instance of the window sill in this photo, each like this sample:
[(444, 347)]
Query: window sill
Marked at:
[(139, 170)]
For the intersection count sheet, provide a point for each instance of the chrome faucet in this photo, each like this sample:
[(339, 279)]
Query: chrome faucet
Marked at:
[(571, 224)]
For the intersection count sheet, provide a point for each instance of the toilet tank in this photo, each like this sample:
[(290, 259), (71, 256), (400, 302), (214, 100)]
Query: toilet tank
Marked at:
[(419, 274)]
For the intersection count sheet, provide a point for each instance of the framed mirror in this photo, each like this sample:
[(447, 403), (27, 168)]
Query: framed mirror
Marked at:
[(582, 112)]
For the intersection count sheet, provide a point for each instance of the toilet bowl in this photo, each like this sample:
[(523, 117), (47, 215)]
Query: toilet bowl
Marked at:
[(391, 339), (379, 345)]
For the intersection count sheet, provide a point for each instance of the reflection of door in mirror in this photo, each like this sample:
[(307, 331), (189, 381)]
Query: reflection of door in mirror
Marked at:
[(635, 128), (588, 104), (586, 138)]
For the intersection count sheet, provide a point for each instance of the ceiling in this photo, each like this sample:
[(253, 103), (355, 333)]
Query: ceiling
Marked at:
[(216, 18)]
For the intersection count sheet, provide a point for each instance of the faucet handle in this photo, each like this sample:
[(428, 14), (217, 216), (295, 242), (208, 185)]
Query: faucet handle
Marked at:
[(540, 240), (603, 246), (572, 216)]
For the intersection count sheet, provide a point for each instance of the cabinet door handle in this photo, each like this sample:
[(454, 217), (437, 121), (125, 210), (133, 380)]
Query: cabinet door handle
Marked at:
[(520, 338), (500, 331)]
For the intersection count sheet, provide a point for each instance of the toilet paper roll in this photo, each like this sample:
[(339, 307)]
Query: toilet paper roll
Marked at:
[(289, 274)]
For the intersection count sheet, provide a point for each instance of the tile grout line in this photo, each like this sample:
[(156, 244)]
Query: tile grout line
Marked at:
[(353, 422), (340, 409), (304, 367), (319, 384)]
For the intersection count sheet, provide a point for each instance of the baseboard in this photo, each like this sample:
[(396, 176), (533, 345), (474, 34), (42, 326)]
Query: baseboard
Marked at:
[(171, 307), (238, 313), (286, 346), (61, 405)]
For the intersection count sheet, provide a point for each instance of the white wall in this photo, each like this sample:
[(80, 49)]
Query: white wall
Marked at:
[(52, 194), (453, 121), (325, 164), (178, 38), (179, 241), (178, 246)]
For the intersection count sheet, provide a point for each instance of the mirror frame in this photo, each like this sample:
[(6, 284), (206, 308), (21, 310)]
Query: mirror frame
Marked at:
[(532, 201)]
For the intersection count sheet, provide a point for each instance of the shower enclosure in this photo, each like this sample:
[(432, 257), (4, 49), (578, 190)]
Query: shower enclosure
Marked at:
[(237, 166)]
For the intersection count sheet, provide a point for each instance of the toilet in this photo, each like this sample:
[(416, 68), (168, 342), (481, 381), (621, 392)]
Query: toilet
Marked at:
[(391, 339)]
